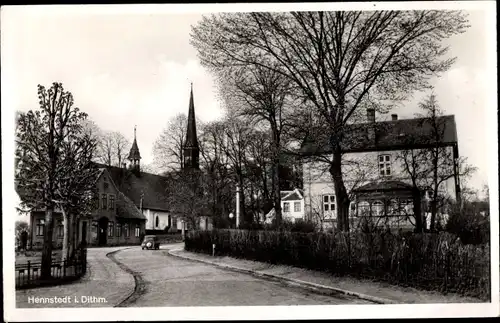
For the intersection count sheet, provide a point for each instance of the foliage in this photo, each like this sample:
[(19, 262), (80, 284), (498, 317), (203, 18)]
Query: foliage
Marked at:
[(167, 150), (428, 261), (470, 222)]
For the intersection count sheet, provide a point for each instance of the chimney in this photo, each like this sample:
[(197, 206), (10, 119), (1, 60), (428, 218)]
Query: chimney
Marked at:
[(370, 115), (394, 117)]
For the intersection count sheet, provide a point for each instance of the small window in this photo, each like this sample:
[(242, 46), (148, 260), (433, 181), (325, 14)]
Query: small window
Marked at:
[(111, 202), (126, 229), (377, 208), (286, 207), (40, 224), (60, 229), (297, 207), (384, 165), (104, 203), (118, 229), (363, 208), (137, 231), (110, 229), (157, 221), (329, 203)]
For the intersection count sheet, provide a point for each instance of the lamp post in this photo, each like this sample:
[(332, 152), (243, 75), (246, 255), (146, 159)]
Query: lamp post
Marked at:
[(182, 230), (231, 216), (237, 206)]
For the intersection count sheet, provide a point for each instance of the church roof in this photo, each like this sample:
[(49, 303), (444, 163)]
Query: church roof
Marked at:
[(134, 153), (191, 138)]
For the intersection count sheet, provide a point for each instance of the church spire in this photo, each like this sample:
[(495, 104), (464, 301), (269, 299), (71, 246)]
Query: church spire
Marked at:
[(134, 155), (191, 148)]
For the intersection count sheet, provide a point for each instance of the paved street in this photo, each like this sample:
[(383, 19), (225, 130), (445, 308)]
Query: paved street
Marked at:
[(169, 281)]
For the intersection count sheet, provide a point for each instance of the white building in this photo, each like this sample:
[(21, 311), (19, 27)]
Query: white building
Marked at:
[(373, 174)]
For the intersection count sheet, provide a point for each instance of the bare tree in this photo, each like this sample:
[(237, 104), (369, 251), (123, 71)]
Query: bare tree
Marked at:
[(112, 148), (40, 162), (340, 62), (168, 148)]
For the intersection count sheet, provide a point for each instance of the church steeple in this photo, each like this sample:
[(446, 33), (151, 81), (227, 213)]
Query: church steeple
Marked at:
[(191, 148), (134, 155)]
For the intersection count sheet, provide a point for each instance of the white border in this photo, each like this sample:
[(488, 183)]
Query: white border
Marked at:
[(248, 313)]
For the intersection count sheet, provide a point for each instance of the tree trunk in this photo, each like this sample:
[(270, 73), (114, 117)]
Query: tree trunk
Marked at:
[(45, 272), (340, 191), (66, 237), (435, 189), (417, 211), (276, 194)]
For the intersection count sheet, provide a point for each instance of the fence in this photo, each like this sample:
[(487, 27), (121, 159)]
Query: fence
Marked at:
[(29, 275), (428, 261)]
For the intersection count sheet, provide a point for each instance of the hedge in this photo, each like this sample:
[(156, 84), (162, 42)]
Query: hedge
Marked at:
[(427, 261)]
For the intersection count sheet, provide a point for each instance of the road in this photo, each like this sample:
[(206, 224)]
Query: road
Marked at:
[(166, 280)]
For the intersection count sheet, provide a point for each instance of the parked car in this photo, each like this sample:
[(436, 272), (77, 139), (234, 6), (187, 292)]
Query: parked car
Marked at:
[(150, 242)]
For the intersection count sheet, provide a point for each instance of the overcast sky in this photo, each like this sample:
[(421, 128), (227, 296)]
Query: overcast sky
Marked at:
[(135, 69)]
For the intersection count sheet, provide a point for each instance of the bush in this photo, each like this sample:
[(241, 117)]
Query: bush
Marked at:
[(470, 225), (428, 261)]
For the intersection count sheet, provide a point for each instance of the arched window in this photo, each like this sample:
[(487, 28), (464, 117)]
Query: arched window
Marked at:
[(377, 208), (363, 208), (157, 221)]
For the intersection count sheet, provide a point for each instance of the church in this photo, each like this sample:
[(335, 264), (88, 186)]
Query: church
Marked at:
[(129, 203)]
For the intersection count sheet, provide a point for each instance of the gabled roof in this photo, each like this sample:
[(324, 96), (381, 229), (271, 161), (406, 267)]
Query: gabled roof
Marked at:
[(151, 187), (126, 209), (294, 195), (388, 135)]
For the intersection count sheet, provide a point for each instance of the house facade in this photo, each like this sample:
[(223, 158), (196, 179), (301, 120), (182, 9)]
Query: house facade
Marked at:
[(114, 220), (374, 172), (292, 207)]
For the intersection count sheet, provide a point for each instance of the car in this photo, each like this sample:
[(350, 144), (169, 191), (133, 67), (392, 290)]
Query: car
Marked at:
[(150, 242)]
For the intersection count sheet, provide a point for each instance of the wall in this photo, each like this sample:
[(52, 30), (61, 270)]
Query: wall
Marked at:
[(163, 217), (292, 215), (358, 169)]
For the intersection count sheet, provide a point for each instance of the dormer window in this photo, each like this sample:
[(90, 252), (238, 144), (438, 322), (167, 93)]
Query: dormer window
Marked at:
[(384, 165)]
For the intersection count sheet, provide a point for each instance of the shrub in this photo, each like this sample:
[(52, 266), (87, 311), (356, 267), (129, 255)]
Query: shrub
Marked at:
[(469, 224), (429, 261)]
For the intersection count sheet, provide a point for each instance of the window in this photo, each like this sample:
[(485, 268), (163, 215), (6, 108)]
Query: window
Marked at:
[(95, 202), (118, 229), (110, 229), (106, 184), (384, 165), (60, 229), (378, 208), (329, 203), (111, 202), (407, 207), (393, 207), (363, 208), (286, 207), (40, 224), (137, 231), (126, 229), (157, 221), (297, 207), (104, 203)]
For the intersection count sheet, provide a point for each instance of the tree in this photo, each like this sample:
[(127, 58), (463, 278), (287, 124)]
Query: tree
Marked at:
[(262, 95), (40, 141), (112, 148), (22, 229), (168, 148), (75, 191), (339, 62)]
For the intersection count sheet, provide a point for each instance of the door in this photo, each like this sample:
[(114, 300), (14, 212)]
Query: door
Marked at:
[(84, 233), (102, 232)]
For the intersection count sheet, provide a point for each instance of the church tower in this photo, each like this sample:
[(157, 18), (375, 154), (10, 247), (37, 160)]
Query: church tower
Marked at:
[(191, 148), (134, 155)]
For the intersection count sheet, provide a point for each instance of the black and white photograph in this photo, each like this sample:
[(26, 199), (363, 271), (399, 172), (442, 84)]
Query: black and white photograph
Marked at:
[(250, 161)]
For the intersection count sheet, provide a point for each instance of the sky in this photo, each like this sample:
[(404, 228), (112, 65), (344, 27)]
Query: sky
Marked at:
[(135, 69)]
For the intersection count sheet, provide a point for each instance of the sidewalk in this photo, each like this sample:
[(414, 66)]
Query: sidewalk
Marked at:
[(377, 292), (104, 285)]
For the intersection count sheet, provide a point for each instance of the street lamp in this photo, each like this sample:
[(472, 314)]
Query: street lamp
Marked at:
[(237, 206), (231, 216)]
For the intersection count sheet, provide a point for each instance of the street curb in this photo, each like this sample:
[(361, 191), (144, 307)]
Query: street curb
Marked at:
[(318, 288), (138, 283)]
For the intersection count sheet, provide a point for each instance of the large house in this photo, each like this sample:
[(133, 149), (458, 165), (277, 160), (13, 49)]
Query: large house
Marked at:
[(373, 174)]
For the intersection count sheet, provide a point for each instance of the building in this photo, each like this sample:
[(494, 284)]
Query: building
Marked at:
[(292, 206), (374, 176)]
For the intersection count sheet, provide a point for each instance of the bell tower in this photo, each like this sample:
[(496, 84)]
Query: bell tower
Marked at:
[(191, 148), (134, 155)]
